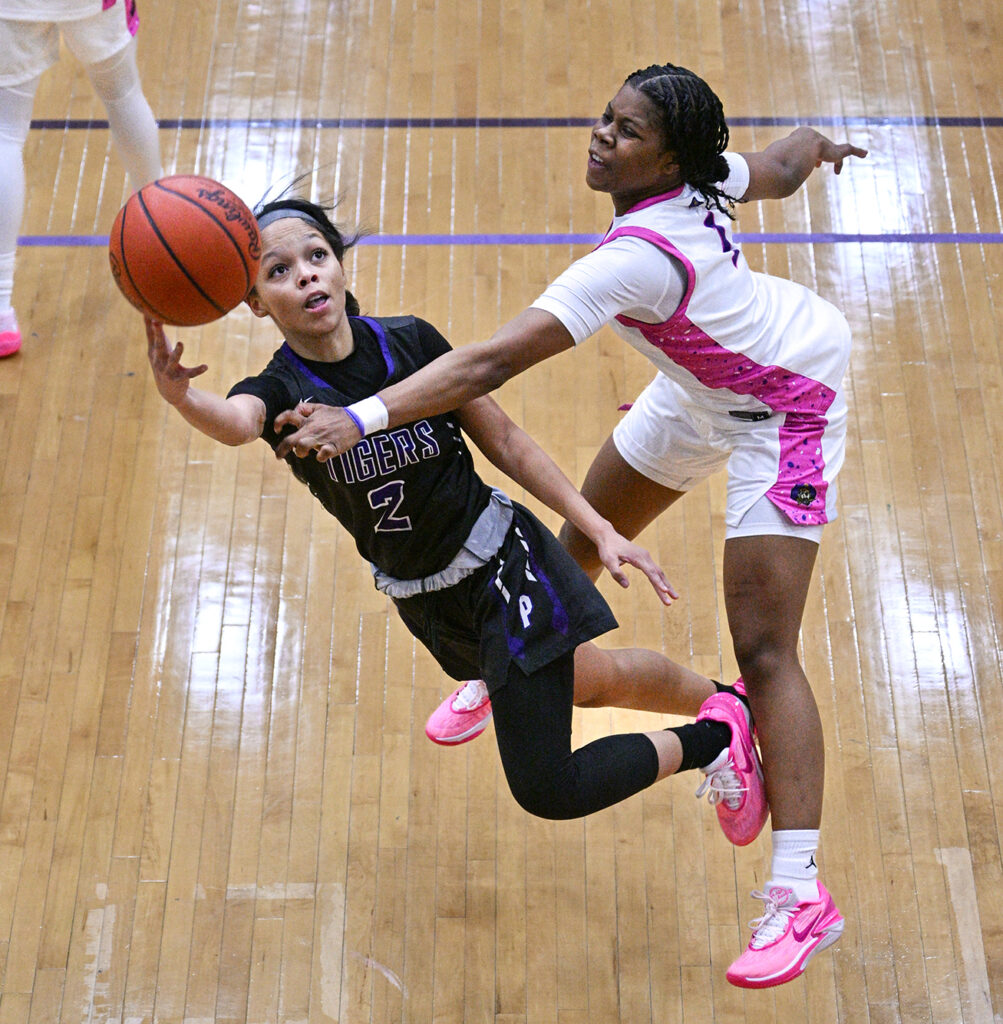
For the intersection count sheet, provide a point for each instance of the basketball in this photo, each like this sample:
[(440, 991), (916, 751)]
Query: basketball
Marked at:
[(184, 250)]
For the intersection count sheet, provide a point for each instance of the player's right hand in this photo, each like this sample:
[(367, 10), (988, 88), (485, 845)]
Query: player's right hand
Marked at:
[(171, 377)]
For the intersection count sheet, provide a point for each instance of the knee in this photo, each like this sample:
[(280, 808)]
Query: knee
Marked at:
[(15, 112), (762, 657), (115, 77), (542, 797)]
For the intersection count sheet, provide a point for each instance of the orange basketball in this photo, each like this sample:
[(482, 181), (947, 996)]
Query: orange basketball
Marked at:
[(184, 250)]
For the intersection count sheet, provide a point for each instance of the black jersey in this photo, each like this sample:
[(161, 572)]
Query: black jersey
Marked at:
[(409, 496)]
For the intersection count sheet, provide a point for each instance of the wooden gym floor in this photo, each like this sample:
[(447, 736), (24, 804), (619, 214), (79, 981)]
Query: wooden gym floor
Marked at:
[(218, 803)]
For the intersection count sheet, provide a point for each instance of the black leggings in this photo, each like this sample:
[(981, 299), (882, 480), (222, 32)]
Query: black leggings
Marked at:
[(532, 720)]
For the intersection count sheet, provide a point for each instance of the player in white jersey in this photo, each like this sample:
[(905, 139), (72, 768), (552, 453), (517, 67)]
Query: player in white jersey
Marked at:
[(732, 347), (750, 372), (100, 34)]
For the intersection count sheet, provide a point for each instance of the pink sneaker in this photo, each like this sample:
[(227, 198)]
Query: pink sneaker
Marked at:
[(786, 937), (10, 335), (461, 716), (739, 687), (734, 780)]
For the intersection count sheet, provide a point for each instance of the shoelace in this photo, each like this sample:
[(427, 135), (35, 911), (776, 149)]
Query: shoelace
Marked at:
[(773, 923), (473, 693), (723, 784)]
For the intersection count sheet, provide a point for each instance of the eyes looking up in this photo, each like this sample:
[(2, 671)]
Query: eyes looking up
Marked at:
[(317, 256)]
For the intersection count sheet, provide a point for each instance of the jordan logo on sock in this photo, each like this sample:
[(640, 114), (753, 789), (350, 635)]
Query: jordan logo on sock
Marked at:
[(811, 863)]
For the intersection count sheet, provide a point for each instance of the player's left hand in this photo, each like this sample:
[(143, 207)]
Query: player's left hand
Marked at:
[(835, 153), (323, 429), (616, 551)]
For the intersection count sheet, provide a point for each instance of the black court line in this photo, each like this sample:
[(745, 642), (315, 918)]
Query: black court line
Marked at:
[(382, 123), (499, 238)]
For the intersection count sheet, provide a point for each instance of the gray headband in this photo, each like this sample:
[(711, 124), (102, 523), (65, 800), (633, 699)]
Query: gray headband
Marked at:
[(283, 212)]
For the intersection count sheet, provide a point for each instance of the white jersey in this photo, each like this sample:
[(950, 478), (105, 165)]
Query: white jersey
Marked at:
[(49, 10), (732, 338), (45, 11)]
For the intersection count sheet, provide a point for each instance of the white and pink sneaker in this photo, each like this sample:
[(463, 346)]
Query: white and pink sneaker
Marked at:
[(734, 782), (462, 716), (786, 937)]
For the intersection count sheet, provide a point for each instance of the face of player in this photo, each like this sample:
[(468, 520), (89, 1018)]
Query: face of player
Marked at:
[(301, 284), (627, 157)]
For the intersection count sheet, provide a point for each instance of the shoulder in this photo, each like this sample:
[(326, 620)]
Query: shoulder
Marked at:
[(737, 182), (413, 330), (625, 261), (431, 339), (388, 323)]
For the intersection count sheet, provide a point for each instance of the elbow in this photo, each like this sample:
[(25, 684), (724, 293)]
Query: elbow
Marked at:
[(237, 436)]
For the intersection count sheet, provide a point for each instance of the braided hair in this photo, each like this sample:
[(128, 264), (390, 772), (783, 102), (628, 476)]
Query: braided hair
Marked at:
[(693, 126), (339, 242)]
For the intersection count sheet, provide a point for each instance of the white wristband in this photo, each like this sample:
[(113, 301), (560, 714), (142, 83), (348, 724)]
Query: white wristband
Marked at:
[(371, 413)]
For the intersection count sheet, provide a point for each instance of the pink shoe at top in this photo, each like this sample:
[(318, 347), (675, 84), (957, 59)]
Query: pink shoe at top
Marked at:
[(786, 937), (462, 716), (734, 780), (739, 687)]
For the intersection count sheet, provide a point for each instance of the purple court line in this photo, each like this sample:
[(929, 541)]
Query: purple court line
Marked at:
[(780, 238), (198, 123)]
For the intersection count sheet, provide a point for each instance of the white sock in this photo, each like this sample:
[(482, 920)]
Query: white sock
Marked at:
[(6, 289), (15, 119), (794, 862)]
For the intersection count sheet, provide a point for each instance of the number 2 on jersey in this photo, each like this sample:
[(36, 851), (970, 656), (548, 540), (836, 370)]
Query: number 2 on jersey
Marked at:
[(389, 498)]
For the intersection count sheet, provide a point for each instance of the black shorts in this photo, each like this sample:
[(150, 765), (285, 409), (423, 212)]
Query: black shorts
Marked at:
[(529, 605)]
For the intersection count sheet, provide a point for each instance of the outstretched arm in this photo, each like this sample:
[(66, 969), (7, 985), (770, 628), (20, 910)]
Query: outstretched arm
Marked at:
[(231, 421), (783, 167), (519, 457), (446, 383)]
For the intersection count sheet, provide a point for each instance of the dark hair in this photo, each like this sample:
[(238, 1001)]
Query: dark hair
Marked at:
[(339, 242), (693, 124)]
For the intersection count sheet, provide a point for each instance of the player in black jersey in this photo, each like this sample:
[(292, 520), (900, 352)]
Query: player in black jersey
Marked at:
[(475, 576)]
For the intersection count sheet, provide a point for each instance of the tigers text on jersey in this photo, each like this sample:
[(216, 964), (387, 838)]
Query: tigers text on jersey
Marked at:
[(409, 496)]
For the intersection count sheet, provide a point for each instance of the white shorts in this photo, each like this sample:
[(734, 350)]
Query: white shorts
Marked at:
[(790, 459), (31, 47)]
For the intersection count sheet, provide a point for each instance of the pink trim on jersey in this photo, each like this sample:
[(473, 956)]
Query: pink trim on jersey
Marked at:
[(800, 490), (131, 14), (656, 199), (647, 235)]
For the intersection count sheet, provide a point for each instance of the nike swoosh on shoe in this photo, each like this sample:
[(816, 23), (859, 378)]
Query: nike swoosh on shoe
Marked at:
[(801, 929)]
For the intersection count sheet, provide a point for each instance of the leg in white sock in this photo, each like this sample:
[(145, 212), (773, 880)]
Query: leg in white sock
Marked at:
[(794, 864), (133, 126), (15, 119)]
